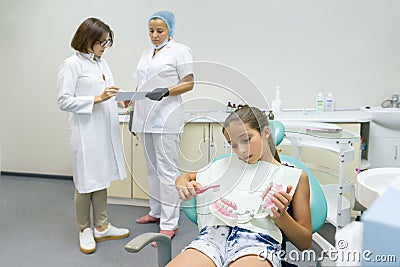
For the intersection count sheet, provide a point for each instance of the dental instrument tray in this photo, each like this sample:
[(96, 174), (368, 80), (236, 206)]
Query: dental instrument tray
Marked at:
[(324, 130), (311, 128)]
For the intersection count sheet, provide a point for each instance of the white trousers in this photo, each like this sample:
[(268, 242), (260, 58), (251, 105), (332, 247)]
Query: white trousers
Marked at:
[(161, 152)]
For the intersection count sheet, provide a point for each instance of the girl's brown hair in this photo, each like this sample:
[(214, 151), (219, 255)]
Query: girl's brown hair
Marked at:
[(90, 31), (255, 119)]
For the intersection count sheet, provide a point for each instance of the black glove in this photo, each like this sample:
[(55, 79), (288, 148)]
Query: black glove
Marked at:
[(157, 94)]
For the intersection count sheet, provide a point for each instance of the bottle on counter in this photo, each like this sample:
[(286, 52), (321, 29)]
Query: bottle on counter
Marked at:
[(320, 102), (277, 102), (330, 103), (271, 115), (229, 107)]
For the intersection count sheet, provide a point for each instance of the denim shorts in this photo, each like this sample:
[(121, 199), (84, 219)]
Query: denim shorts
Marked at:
[(225, 244)]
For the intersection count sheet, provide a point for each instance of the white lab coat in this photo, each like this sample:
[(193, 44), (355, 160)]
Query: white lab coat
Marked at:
[(93, 130), (165, 69)]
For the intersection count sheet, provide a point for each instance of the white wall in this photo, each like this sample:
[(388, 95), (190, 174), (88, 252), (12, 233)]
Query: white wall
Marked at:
[(349, 48)]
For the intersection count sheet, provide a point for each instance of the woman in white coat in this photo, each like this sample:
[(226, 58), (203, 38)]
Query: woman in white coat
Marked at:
[(165, 71), (86, 86)]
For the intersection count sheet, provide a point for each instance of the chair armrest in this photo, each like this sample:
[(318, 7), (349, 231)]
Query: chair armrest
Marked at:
[(163, 246)]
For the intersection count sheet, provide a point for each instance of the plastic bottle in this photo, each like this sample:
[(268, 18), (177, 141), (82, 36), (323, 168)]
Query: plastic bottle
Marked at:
[(229, 107), (270, 115), (330, 103), (319, 102), (277, 102)]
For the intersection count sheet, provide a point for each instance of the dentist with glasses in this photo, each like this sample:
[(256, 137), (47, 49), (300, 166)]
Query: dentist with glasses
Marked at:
[(86, 86), (164, 72)]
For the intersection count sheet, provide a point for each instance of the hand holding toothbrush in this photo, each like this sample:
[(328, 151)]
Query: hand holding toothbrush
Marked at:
[(188, 187), (187, 190), (193, 188), (215, 188)]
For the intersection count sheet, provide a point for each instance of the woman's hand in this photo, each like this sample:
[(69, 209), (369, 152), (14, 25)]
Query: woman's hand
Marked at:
[(123, 104), (106, 94), (188, 189), (282, 201), (126, 103)]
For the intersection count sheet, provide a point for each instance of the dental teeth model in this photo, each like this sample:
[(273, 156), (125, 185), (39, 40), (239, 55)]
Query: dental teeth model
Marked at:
[(267, 202), (226, 210)]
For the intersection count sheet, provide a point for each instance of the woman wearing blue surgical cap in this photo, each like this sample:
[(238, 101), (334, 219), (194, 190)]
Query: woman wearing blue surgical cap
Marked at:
[(164, 72)]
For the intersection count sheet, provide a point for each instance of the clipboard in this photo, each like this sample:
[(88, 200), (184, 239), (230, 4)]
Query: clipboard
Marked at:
[(132, 96)]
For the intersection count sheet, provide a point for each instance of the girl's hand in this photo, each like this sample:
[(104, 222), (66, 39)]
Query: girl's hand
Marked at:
[(188, 190), (106, 94), (282, 200)]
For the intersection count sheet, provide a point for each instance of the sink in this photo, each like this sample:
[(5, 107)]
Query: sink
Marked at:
[(386, 117), (372, 183)]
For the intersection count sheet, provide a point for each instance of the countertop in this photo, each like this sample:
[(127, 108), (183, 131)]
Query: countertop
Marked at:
[(337, 116), (340, 116)]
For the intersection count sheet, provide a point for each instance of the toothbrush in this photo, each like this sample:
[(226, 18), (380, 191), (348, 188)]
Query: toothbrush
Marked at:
[(215, 188)]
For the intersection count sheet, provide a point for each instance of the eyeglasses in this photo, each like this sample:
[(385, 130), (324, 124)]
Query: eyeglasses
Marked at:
[(105, 43)]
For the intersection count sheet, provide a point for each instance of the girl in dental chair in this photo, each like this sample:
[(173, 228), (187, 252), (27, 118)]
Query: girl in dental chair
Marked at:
[(243, 224)]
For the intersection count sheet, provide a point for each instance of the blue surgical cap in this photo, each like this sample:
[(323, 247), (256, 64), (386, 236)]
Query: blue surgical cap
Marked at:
[(169, 19)]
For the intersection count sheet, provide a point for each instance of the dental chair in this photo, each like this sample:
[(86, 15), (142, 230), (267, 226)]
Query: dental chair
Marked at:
[(318, 206)]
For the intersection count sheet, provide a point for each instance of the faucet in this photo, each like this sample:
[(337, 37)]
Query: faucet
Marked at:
[(395, 101)]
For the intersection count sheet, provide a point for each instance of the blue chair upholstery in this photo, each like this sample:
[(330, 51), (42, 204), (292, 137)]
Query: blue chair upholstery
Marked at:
[(277, 131)]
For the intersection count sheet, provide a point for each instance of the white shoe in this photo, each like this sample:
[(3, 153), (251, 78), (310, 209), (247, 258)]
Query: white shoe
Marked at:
[(86, 241), (111, 233)]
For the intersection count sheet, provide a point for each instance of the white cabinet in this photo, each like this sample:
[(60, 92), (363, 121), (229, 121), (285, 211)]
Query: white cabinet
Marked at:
[(383, 147), (140, 184), (136, 184), (123, 188)]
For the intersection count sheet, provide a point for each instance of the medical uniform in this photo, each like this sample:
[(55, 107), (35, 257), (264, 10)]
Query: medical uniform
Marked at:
[(160, 124), (94, 134)]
